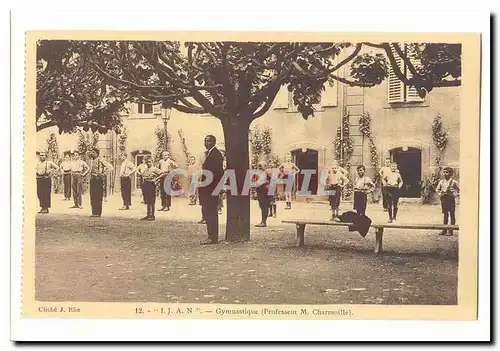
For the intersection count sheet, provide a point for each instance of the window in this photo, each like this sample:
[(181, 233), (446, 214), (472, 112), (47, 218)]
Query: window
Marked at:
[(145, 108), (399, 92)]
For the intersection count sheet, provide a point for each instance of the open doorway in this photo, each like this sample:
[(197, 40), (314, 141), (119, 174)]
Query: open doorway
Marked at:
[(409, 161), (306, 159)]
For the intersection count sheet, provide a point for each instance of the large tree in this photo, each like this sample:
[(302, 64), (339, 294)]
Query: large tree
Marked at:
[(237, 82), (71, 93)]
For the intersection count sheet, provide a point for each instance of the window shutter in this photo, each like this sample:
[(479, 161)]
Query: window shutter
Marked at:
[(329, 96), (412, 94), (157, 109), (281, 99), (395, 85)]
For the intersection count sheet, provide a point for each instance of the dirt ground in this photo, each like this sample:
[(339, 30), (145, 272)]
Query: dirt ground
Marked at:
[(123, 259)]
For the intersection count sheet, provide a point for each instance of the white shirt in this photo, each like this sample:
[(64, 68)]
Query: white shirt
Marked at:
[(127, 168), (393, 179), (167, 165), (79, 166)]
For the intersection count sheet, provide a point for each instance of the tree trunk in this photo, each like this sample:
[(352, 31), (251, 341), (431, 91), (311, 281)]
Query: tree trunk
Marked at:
[(237, 159)]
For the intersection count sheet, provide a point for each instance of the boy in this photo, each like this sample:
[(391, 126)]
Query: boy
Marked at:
[(263, 194), (139, 171), (66, 170), (288, 169), (44, 171), (362, 186), (192, 169), (335, 181), (79, 170), (150, 176), (392, 182), (166, 165), (447, 189), (127, 168), (98, 168), (383, 172), (274, 179)]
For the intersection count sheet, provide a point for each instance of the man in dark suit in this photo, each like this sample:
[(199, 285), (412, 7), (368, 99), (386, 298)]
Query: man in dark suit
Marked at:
[(209, 202)]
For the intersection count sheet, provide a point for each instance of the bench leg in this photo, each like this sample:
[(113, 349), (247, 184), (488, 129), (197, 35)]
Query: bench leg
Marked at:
[(379, 234), (301, 228)]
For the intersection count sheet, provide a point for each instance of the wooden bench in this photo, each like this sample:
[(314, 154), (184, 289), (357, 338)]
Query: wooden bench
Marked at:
[(379, 229)]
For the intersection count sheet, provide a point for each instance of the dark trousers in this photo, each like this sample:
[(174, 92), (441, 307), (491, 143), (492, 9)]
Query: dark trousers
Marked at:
[(166, 199), (209, 213), (96, 193), (384, 197), (392, 195), (126, 189), (43, 190), (334, 199), (360, 200), (67, 185), (149, 196), (77, 183), (264, 202), (448, 208)]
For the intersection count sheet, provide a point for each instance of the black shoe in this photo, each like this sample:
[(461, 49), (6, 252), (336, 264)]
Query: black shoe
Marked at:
[(449, 232), (124, 208), (261, 225), (151, 218), (162, 209), (385, 209), (202, 222), (145, 218), (443, 232)]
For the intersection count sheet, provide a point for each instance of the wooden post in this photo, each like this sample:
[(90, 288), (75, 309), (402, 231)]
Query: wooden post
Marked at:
[(301, 228), (379, 234)]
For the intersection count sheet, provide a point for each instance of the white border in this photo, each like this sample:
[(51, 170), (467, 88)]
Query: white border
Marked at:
[(209, 16)]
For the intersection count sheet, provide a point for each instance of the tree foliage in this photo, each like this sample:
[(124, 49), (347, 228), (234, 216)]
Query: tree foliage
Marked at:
[(240, 80), (71, 93)]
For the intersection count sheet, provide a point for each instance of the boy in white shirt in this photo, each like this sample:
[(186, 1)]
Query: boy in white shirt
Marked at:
[(335, 181), (448, 189), (363, 185), (392, 182)]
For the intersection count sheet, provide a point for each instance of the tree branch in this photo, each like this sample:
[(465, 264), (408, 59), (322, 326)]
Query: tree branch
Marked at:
[(48, 124), (207, 105), (348, 58), (125, 82), (185, 109), (405, 60), (352, 83), (394, 64)]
